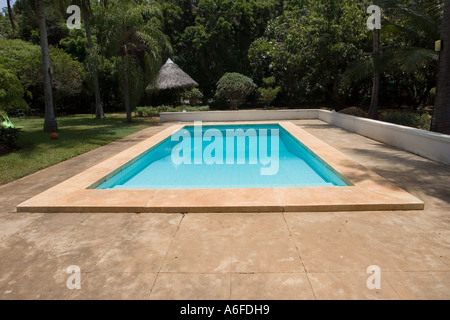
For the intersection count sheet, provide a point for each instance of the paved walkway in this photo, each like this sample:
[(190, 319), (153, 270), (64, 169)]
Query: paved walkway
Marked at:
[(233, 256)]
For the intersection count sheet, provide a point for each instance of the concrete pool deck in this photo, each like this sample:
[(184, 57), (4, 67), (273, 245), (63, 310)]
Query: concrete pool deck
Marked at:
[(368, 191), (277, 255)]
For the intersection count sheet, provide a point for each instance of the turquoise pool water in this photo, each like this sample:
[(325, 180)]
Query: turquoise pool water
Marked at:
[(256, 156)]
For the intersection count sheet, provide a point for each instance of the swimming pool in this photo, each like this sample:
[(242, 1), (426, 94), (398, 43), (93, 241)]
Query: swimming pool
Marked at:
[(366, 190), (226, 156)]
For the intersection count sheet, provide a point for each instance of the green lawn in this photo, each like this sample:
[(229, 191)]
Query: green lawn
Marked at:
[(77, 135)]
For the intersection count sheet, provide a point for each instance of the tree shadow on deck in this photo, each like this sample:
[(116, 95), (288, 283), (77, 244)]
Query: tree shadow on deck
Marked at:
[(426, 179)]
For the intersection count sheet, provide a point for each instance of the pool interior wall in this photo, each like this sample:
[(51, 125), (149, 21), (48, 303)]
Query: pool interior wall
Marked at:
[(155, 169)]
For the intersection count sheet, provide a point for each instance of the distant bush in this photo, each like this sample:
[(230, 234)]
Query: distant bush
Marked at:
[(194, 96), (235, 88), (268, 93), (155, 111), (407, 118)]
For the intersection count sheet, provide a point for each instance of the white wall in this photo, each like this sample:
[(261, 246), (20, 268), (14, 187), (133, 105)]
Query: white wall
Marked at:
[(253, 115), (427, 144)]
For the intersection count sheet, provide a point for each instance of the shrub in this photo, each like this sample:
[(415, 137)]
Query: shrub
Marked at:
[(9, 134), (407, 118), (155, 111), (9, 137), (268, 93), (194, 96), (11, 92), (235, 88)]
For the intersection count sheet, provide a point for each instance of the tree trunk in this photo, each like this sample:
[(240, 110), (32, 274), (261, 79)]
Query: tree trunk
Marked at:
[(441, 116), (374, 104), (11, 18), (126, 91), (99, 114), (50, 124)]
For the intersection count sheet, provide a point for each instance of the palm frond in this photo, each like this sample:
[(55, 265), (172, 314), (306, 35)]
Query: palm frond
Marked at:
[(408, 60), (133, 32), (411, 59)]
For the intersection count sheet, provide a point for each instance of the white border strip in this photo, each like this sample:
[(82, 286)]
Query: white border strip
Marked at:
[(225, 116), (430, 145)]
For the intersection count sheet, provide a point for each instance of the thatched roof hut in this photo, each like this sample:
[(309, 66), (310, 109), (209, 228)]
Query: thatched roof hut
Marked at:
[(172, 77)]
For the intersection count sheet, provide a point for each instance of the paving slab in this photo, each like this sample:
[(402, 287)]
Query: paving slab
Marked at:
[(239, 255), (420, 285), (336, 252), (234, 224), (182, 286), (115, 286), (349, 286), (134, 255), (265, 254), (199, 254), (37, 286), (271, 286)]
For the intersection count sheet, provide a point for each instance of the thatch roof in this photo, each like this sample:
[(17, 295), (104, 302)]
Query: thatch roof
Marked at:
[(172, 77)]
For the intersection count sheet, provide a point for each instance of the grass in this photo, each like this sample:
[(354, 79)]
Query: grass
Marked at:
[(77, 135)]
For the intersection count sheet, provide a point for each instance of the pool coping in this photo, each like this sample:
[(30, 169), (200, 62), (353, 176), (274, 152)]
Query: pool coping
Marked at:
[(370, 191)]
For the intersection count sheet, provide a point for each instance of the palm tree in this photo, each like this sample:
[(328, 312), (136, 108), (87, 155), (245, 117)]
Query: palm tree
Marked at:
[(11, 18), (99, 113), (86, 14), (50, 124), (133, 32), (441, 116), (415, 26), (374, 104)]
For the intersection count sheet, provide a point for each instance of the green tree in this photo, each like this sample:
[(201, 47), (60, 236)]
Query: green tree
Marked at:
[(235, 88), (269, 93), (441, 116), (212, 37), (86, 14), (132, 30), (28, 23), (67, 74), (11, 92), (75, 44), (309, 46), (24, 60), (91, 57), (408, 33), (5, 28)]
